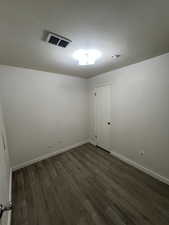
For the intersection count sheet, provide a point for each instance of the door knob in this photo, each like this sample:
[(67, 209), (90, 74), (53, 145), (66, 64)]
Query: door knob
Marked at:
[(108, 123), (4, 208)]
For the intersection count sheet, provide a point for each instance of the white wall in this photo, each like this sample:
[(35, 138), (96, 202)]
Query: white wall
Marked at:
[(44, 112), (140, 112)]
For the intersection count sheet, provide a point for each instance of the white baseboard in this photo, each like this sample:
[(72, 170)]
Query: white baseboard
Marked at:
[(140, 167), (10, 196), (48, 155)]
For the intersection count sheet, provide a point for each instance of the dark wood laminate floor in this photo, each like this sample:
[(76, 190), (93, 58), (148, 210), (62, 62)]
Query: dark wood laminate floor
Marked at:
[(87, 186)]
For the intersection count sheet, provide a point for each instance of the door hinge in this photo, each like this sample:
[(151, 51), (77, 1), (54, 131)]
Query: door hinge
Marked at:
[(95, 136), (95, 94)]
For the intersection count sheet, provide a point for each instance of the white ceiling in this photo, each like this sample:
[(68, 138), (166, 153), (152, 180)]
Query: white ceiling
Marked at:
[(136, 29)]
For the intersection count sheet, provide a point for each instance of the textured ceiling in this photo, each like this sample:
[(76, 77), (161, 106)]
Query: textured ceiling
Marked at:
[(136, 29)]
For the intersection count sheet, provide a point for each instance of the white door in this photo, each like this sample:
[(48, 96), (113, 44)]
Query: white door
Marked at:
[(103, 117), (4, 171)]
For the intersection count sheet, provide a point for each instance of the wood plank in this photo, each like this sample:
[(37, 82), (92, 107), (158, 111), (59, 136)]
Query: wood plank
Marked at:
[(87, 186)]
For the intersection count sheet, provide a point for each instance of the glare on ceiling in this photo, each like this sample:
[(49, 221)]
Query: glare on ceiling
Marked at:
[(86, 57)]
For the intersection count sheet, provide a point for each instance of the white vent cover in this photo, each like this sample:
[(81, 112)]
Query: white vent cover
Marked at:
[(57, 40)]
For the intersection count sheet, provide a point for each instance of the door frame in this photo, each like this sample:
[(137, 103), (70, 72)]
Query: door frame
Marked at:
[(94, 110)]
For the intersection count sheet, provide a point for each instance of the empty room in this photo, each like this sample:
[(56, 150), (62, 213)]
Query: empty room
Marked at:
[(84, 112)]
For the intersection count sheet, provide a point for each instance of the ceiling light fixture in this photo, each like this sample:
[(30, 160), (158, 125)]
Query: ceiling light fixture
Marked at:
[(86, 57)]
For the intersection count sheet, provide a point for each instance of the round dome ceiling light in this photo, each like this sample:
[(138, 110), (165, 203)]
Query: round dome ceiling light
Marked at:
[(86, 57)]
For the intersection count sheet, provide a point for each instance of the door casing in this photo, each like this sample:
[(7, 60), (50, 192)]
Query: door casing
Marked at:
[(102, 116)]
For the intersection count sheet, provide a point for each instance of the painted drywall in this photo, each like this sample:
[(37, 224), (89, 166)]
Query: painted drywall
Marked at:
[(140, 112), (44, 112), (5, 184)]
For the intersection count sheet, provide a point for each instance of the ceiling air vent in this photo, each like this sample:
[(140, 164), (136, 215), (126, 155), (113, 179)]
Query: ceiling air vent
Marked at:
[(58, 40)]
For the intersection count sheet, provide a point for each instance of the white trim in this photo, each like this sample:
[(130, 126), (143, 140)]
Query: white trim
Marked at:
[(136, 165), (10, 196), (48, 155), (105, 84), (140, 167), (102, 84)]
